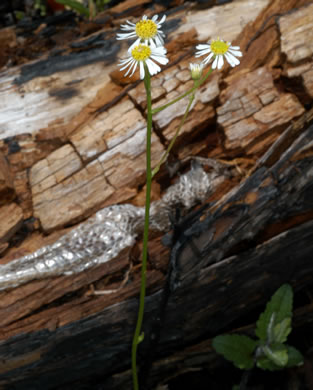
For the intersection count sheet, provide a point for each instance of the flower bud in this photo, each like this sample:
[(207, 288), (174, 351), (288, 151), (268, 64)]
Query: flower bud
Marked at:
[(196, 71)]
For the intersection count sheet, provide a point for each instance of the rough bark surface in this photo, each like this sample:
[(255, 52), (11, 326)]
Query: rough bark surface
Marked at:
[(72, 141)]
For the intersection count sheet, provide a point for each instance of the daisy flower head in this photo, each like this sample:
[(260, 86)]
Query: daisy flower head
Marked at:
[(144, 55), (147, 31), (217, 49), (196, 71)]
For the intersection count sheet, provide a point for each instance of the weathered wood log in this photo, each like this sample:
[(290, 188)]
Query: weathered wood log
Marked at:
[(74, 143), (209, 289)]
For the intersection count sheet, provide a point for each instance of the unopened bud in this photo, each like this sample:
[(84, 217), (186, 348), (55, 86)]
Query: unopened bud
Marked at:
[(196, 71)]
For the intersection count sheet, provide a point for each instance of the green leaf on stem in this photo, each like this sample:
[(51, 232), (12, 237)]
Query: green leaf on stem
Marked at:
[(295, 357), (277, 353), (266, 364), (281, 331), (75, 5), (239, 349), (280, 305)]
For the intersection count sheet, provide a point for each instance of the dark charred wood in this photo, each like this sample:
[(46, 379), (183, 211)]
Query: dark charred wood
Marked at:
[(256, 240)]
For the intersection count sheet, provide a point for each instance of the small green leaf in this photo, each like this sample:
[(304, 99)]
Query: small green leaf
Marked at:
[(75, 5), (282, 330), (277, 353), (265, 364), (238, 349), (140, 338), (281, 305), (295, 357), (19, 15)]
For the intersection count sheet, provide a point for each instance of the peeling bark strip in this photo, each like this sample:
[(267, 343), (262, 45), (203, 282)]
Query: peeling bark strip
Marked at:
[(104, 236), (72, 143)]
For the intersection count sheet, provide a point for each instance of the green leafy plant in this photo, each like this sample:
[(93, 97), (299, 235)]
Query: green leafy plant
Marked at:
[(40, 5), (94, 6), (76, 6), (270, 351)]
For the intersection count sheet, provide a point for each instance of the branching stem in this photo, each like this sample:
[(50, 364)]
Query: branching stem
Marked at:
[(138, 336)]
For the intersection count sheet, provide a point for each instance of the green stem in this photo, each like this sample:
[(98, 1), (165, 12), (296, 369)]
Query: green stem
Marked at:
[(165, 155), (138, 337), (191, 90)]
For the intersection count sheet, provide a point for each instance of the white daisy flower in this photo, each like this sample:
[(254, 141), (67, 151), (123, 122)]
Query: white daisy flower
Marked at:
[(144, 54), (217, 49), (146, 31), (196, 70)]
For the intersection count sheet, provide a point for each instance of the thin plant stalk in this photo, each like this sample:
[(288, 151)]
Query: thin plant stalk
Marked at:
[(138, 337), (166, 153), (191, 90)]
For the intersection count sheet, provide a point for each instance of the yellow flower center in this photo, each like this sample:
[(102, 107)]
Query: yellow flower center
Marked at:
[(219, 47), (141, 52), (146, 29)]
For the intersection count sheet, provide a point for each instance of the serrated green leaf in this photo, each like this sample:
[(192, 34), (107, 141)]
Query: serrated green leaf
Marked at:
[(282, 330), (281, 305), (277, 353), (238, 349), (295, 357), (75, 5), (265, 364)]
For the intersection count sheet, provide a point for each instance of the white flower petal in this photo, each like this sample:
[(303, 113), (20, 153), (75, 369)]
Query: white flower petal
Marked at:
[(127, 64), (162, 20), (154, 18), (136, 43), (236, 53), (126, 35), (215, 62), (220, 62), (235, 47), (159, 51), (202, 52), (208, 59), (160, 35), (151, 43), (202, 46), (158, 39), (127, 61), (127, 26), (131, 65), (161, 59), (153, 67), (134, 68), (150, 67), (229, 59), (142, 70), (233, 61)]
